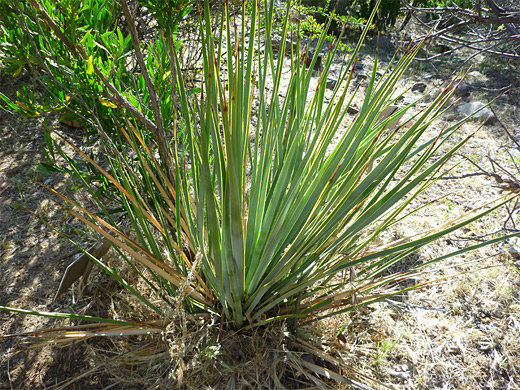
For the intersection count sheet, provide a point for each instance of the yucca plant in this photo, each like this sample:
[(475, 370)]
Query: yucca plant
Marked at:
[(257, 218)]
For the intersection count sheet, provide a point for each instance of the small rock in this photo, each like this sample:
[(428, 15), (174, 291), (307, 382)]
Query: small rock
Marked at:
[(307, 59), (276, 43), (471, 108), (419, 87), (461, 88), (382, 43), (388, 112), (331, 83), (352, 110)]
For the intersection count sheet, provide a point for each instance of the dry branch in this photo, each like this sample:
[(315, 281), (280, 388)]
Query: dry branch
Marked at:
[(494, 25)]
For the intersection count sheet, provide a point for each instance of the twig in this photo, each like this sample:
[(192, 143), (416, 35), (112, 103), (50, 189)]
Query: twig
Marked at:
[(494, 175), (479, 21), (493, 162), (412, 306), (510, 216), (464, 176), (476, 238), (505, 128)]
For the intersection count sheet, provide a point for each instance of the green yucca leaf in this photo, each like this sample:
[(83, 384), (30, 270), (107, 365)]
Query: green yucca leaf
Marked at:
[(68, 315), (251, 217), (304, 207)]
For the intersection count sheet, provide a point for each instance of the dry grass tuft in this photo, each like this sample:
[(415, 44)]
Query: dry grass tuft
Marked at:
[(203, 355)]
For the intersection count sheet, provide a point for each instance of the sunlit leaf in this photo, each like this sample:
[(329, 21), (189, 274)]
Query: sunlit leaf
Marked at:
[(107, 103)]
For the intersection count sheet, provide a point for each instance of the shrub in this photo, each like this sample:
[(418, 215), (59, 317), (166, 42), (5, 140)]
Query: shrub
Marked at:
[(387, 11), (250, 219)]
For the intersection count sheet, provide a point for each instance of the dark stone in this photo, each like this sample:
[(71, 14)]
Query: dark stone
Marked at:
[(331, 83), (307, 59), (382, 43), (419, 87), (276, 43), (352, 110), (461, 88)]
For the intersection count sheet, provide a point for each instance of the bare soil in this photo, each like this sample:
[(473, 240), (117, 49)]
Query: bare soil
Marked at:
[(32, 256)]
